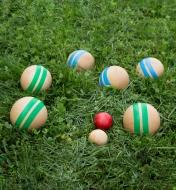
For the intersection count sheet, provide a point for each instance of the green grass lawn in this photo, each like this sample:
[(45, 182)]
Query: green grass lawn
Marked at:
[(116, 32)]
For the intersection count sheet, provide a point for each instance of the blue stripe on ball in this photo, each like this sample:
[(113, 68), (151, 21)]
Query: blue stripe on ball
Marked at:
[(77, 57), (71, 57), (100, 80), (105, 77), (152, 71), (144, 70), (73, 61), (104, 81)]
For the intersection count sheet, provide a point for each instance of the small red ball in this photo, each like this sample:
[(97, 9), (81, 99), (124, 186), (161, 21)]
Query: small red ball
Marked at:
[(103, 120)]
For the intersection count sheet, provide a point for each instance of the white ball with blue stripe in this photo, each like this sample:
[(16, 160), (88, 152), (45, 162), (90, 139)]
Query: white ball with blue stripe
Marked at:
[(150, 68), (114, 76), (80, 60)]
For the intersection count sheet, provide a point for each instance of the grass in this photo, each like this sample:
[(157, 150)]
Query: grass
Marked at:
[(59, 156)]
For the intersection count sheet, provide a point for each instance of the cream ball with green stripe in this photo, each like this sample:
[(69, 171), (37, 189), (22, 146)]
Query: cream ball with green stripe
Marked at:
[(28, 113), (81, 60), (141, 118), (35, 78), (150, 67)]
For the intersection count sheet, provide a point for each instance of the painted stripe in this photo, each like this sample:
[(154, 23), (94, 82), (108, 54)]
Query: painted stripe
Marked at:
[(76, 58), (145, 119), (27, 115), (152, 71), (42, 81), (71, 57), (105, 77), (148, 71), (33, 115), (104, 81), (140, 116), (100, 80), (24, 112), (144, 70), (39, 78), (35, 78), (136, 118)]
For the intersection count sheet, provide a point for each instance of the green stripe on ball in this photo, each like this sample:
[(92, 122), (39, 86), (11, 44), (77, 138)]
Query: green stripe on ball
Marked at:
[(42, 81), (136, 118), (145, 119), (25, 111), (35, 79), (33, 115), (140, 116)]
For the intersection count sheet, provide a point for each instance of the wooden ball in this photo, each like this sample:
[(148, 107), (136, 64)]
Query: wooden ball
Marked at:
[(35, 78), (81, 60), (141, 118), (150, 68), (114, 76), (98, 137), (28, 113)]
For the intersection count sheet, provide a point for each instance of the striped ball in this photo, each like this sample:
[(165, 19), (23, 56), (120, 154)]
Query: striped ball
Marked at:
[(150, 68), (141, 118), (81, 60), (35, 78), (28, 113), (114, 76)]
